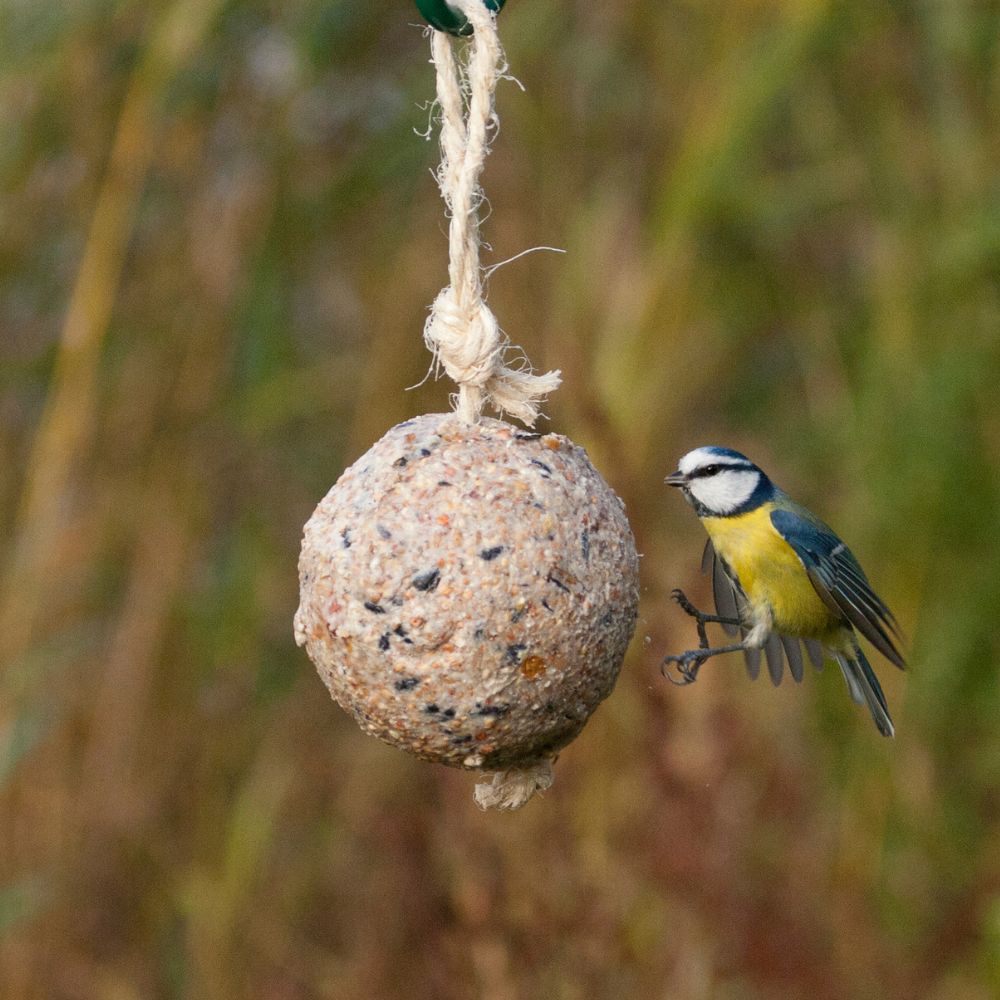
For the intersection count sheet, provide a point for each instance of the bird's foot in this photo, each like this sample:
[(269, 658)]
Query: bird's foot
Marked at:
[(686, 606), (699, 616), (688, 665)]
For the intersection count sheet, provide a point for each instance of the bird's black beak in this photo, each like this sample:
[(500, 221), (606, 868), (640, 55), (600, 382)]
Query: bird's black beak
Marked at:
[(676, 479)]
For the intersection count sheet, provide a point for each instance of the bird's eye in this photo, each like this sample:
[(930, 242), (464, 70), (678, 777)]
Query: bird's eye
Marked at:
[(711, 470)]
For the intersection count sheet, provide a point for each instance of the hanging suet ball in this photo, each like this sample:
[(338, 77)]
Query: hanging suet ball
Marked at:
[(468, 591)]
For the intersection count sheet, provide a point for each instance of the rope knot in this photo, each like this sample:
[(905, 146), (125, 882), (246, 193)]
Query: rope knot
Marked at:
[(465, 340)]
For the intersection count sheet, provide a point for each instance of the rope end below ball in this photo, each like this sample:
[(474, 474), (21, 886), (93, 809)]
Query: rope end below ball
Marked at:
[(514, 788)]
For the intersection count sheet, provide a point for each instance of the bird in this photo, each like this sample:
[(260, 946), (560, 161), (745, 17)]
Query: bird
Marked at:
[(780, 576)]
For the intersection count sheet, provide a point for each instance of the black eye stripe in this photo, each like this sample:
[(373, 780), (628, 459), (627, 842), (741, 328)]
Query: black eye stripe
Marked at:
[(715, 468)]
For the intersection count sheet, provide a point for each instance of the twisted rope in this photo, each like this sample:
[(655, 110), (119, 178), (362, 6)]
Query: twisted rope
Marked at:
[(461, 332)]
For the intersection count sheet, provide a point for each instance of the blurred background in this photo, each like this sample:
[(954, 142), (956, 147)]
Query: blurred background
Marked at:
[(219, 236)]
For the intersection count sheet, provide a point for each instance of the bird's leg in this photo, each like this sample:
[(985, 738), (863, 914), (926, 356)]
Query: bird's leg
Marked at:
[(700, 617), (689, 663)]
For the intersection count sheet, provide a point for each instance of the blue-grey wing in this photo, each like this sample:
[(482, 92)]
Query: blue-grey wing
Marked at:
[(815, 651), (793, 653), (725, 590), (839, 580)]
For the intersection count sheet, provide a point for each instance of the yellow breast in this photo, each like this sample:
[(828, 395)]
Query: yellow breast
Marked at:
[(770, 573)]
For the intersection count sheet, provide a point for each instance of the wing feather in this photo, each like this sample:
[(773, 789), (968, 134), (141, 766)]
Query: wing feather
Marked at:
[(708, 556), (772, 652), (815, 651), (855, 581), (839, 580), (725, 596), (729, 602), (724, 590), (793, 653), (867, 624), (843, 600)]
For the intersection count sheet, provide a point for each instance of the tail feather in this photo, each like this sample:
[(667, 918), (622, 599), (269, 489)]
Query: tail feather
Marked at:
[(850, 678), (865, 688)]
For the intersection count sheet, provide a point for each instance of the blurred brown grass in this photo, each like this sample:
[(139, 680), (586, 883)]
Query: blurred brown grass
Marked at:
[(219, 238)]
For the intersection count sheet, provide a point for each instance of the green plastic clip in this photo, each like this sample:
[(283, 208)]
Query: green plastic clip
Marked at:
[(444, 17)]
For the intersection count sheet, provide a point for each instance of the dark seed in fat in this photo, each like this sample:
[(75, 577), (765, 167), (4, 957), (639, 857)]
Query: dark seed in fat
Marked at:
[(428, 580), (514, 651), (493, 710)]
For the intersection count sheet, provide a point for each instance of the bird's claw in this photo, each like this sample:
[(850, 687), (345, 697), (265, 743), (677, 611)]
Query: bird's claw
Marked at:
[(699, 617), (688, 665), (686, 606)]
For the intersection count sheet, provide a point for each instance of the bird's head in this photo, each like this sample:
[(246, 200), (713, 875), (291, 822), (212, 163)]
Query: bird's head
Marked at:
[(720, 482)]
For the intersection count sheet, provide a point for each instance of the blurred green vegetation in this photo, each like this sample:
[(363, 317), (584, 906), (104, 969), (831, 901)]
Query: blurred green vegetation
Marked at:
[(218, 238)]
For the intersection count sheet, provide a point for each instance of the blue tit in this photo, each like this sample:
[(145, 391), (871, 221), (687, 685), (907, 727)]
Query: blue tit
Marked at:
[(780, 575)]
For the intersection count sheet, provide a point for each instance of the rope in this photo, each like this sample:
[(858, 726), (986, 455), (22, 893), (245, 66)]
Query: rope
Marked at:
[(461, 332), (513, 788)]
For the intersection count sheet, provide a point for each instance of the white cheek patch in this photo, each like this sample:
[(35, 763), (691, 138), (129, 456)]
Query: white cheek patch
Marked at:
[(726, 491)]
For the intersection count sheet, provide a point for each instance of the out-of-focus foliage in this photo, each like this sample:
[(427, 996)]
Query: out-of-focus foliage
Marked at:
[(218, 238)]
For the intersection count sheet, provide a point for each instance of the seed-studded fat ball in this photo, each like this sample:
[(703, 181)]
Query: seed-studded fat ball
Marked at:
[(468, 591)]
